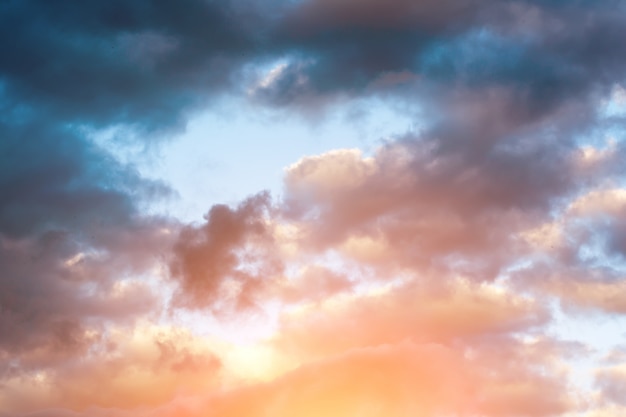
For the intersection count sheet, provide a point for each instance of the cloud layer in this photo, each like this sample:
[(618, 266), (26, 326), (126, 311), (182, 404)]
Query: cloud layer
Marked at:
[(425, 277)]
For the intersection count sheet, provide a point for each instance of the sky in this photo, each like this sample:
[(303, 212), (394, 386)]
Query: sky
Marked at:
[(313, 208)]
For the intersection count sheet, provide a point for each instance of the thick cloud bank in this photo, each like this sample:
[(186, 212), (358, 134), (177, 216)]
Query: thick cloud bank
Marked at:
[(431, 276)]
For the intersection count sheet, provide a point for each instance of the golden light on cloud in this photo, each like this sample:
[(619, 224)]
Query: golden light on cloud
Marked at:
[(313, 208)]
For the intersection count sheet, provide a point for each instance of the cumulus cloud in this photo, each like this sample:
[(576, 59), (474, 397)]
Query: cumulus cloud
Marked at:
[(226, 258)]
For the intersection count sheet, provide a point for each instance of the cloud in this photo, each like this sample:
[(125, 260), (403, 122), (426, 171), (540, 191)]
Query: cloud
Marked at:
[(78, 253), (72, 242), (427, 310), (368, 381), (313, 283), (612, 382), (589, 290), (402, 379), (150, 64), (143, 366), (413, 280), (138, 64), (575, 255), (419, 203), (227, 258), (540, 49), (59, 298)]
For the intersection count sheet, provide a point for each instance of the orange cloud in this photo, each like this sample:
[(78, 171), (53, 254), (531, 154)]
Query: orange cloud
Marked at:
[(429, 312), (142, 366)]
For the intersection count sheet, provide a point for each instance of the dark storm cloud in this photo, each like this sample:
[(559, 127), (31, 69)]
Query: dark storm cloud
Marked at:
[(68, 69), (549, 50), (51, 177), (117, 62), (149, 63)]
